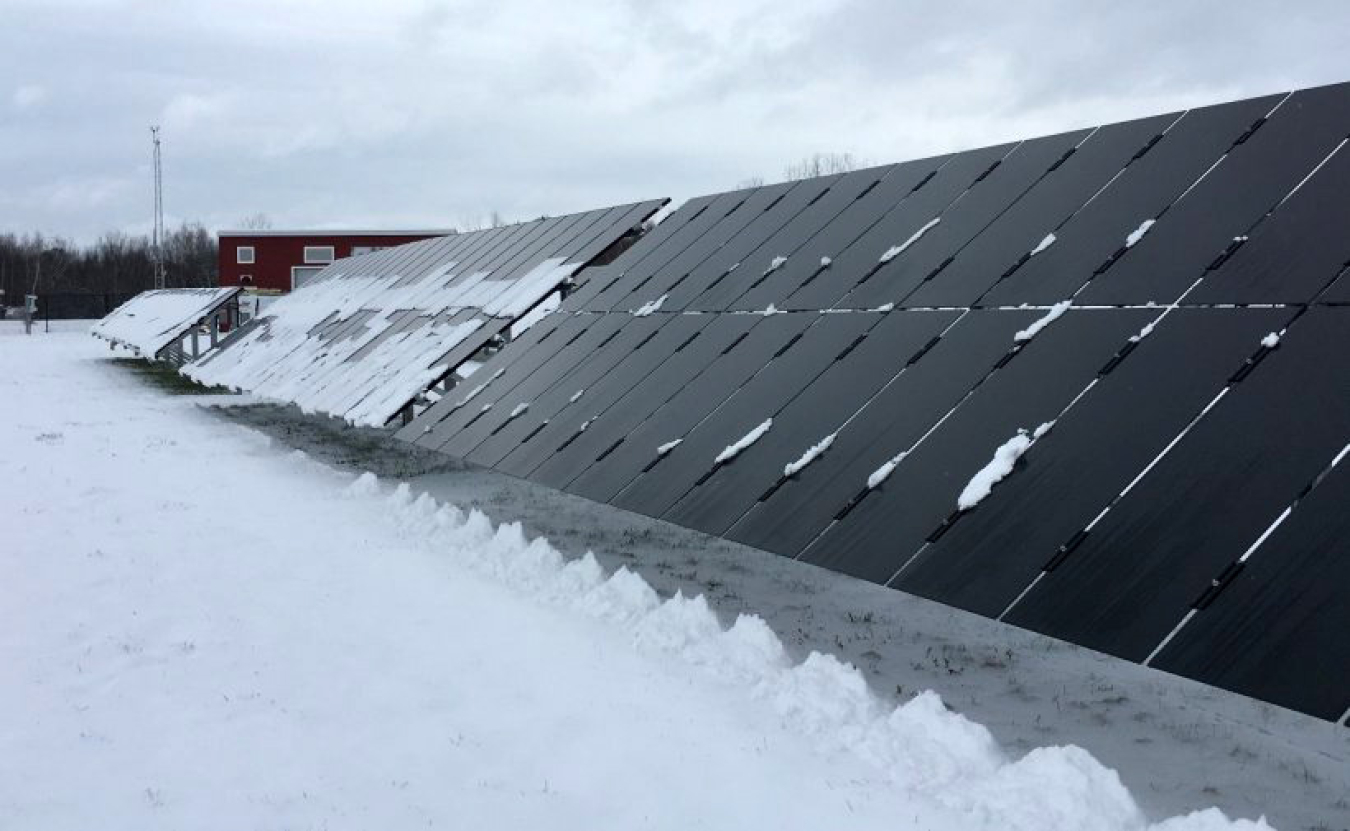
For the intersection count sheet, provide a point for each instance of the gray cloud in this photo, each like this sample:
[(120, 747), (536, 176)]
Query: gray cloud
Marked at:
[(421, 113)]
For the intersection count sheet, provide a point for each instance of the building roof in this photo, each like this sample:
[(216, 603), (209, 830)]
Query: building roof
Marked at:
[(341, 232)]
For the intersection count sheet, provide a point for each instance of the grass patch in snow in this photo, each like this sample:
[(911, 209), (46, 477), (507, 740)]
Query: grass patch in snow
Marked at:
[(165, 377)]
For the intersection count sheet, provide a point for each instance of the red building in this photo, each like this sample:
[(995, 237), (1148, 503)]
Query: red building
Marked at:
[(283, 260)]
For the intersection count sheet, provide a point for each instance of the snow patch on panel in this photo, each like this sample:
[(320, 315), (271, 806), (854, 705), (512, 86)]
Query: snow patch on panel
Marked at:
[(647, 308), (1144, 332), (733, 450), (1044, 244), (998, 468), (881, 474), (812, 453), (1138, 233), (896, 250), (1050, 317)]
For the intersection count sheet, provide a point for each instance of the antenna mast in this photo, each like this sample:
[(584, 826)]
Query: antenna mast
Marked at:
[(157, 247)]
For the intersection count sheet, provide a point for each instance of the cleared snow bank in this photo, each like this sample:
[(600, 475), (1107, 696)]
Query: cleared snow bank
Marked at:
[(923, 748)]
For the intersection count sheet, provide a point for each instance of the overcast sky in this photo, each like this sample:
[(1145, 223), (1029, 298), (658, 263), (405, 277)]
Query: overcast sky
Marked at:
[(421, 113)]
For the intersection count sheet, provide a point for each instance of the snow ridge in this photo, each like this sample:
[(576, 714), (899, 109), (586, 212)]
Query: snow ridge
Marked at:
[(935, 756), (733, 450), (668, 446)]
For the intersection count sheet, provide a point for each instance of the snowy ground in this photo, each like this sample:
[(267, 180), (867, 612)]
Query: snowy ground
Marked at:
[(201, 628)]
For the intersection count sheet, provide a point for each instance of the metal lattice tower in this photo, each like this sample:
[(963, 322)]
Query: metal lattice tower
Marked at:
[(157, 248)]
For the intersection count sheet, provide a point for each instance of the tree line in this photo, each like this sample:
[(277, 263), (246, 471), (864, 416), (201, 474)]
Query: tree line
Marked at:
[(117, 263)]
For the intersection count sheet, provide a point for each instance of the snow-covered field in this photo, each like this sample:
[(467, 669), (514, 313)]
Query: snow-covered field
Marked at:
[(202, 628)]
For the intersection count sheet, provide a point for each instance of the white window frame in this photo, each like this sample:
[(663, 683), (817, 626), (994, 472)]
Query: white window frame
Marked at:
[(320, 259), (295, 268), (241, 258)]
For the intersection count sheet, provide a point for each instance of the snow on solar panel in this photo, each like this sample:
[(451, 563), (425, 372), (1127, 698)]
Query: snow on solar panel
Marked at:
[(371, 333), (152, 321)]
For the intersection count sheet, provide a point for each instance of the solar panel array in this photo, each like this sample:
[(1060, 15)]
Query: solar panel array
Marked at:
[(369, 334), (154, 322), (1094, 384)]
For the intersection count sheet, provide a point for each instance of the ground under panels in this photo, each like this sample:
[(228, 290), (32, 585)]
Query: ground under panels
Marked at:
[(1093, 384)]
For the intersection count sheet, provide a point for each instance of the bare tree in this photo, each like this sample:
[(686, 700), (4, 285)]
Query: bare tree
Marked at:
[(256, 222), (820, 164), (478, 222), (115, 264), (751, 182)]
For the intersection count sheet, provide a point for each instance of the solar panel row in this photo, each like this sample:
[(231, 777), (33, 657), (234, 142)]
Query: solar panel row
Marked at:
[(1070, 382), (154, 322), (370, 334)]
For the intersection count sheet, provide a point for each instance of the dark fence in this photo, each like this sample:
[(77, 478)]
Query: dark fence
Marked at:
[(79, 305)]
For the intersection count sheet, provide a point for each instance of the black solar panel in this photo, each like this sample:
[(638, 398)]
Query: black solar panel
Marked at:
[(1135, 574), (1072, 382), (1277, 631)]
